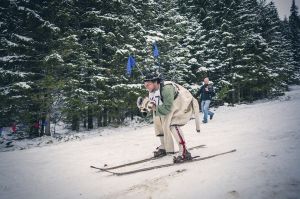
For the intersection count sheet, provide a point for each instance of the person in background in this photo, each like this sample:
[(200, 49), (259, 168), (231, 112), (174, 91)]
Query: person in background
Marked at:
[(14, 127), (36, 127), (206, 94)]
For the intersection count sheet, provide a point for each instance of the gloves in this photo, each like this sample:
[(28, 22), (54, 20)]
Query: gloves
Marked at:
[(144, 104)]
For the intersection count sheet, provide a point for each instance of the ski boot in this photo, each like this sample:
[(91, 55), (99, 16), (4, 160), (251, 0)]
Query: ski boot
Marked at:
[(160, 153), (182, 158)]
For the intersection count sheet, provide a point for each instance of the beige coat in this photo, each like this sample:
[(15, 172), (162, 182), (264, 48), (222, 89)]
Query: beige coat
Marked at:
[(184, 107)]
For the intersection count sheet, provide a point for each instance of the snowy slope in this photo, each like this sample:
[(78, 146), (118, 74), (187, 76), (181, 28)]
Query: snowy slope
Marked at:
[(266, 165)]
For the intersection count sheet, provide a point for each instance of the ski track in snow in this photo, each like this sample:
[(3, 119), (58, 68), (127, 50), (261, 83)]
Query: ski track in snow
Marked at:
[(266, 165)]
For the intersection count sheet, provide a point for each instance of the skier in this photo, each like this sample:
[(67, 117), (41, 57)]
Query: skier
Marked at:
[(172, 107), (206, 94)]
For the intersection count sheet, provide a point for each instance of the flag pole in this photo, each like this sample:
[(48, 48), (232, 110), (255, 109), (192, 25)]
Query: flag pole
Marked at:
[(139, 70), (138, 67), (156, 55)]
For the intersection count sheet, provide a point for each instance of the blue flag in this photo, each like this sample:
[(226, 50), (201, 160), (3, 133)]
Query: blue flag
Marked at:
[(155, 50), (130, 64)]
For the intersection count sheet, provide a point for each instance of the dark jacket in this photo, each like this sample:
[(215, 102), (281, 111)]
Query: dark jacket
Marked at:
[(206, 95)]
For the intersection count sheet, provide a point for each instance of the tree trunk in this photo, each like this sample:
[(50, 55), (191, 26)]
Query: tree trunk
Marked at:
[(105, 117), (84, 122), (90, 118), (239, 94), (75, 123), (47, 124), (99, 119), (131, 115), (42, 130)]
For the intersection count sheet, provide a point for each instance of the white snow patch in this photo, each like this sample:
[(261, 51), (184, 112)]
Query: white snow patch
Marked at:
[(138, 86), (80, 90), (23, 85), (202, 69), (122, 52), (36, 15), (100, 78), (23, 38), (193, 61), (9, 43), (96, 30), (55, 56), (11, 58)]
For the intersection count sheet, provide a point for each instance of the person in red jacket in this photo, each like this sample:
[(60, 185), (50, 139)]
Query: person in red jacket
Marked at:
[(14, 127)]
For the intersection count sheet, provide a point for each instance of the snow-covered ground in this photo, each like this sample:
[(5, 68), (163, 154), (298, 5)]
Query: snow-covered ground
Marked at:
[(266, 165)]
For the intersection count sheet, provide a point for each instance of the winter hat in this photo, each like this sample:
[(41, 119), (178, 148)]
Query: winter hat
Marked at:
[(152, 76)]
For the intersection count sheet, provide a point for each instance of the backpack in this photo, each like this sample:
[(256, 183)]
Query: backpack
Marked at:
[(162, 84)]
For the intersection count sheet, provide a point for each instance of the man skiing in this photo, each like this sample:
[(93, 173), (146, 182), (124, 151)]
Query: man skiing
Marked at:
[(206, 94), (172, 106)]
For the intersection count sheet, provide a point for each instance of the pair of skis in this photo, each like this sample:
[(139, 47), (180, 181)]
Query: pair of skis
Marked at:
[(195, 159)]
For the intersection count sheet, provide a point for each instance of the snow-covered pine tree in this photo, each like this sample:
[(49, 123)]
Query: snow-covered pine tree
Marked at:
[(249, 71), (288, 51), (294, 23), (191, 42), (121, 35), (209, 39), (25, 35), (280, 61), (174, 53)]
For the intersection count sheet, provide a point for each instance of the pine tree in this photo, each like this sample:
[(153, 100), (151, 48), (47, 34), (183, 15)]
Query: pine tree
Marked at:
[(280, 62), (288, 49), (25, 36), (67, 59), (249, 71), (294, 22), (174, 53)]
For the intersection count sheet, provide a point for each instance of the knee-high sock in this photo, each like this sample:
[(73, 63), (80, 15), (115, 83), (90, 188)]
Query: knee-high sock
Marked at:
[(178, 135)]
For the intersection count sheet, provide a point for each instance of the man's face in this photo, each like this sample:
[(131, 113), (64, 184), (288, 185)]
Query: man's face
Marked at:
[(206, 81), (151, 86)]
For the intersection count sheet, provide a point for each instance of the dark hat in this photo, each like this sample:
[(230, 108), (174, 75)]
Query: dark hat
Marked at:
[(152, 76)]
